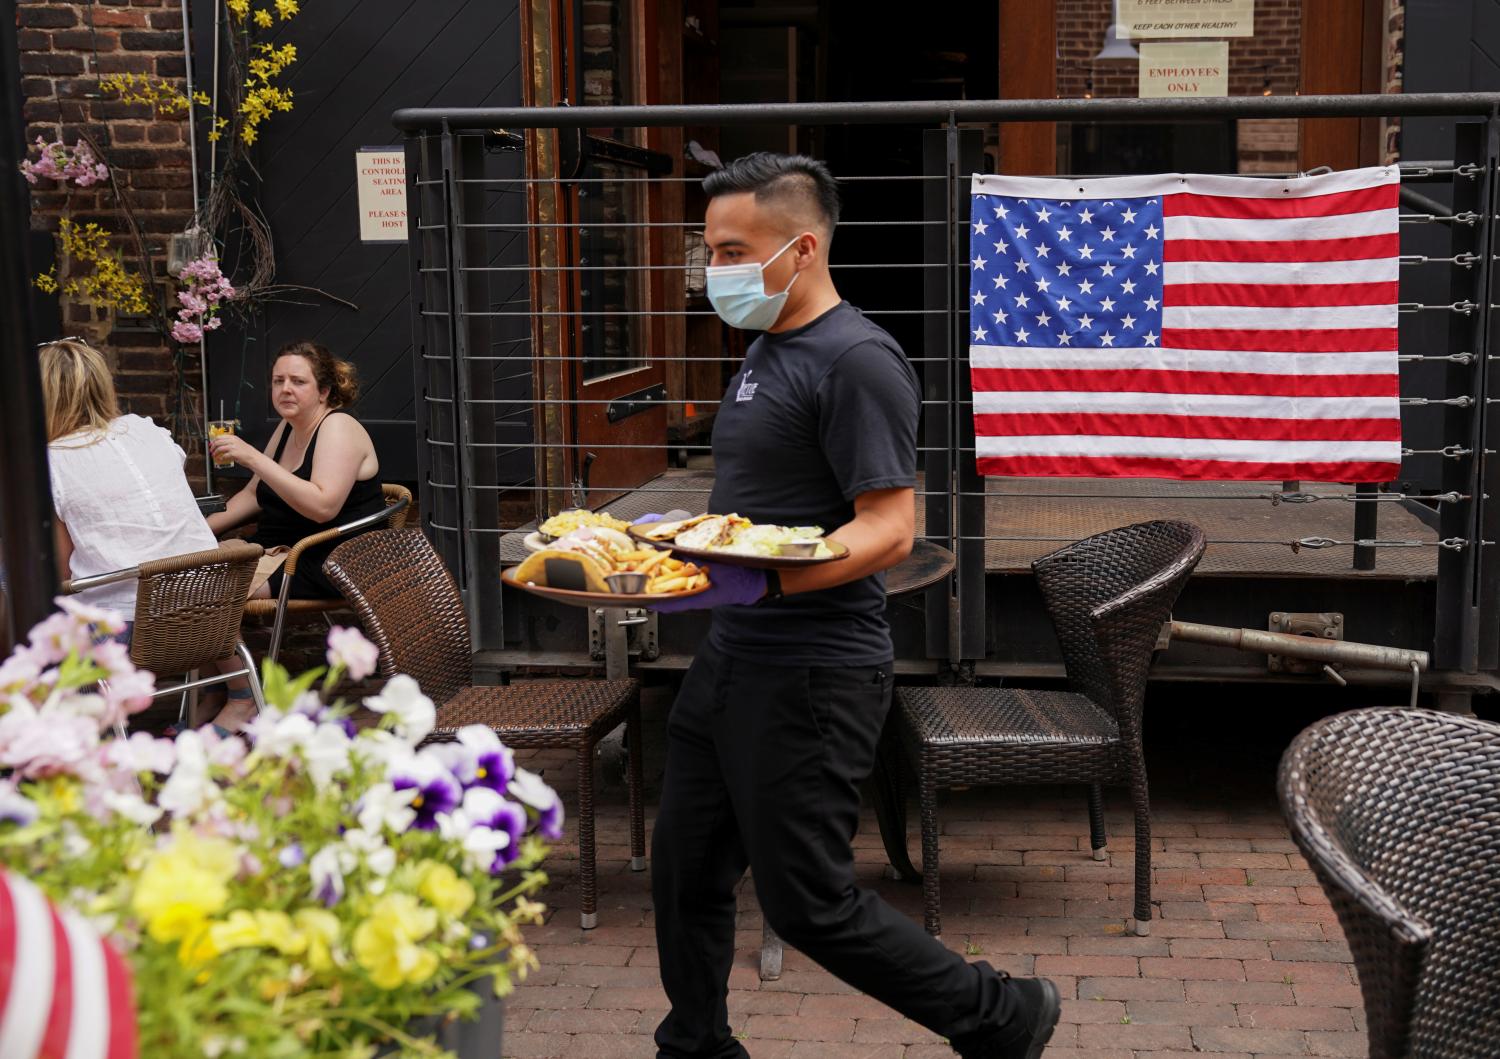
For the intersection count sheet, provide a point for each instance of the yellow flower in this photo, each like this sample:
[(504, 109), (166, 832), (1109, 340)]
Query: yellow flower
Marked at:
[(277, 931), (321, 930), (263, 18), (286, 8), (238, 8), (183, 884), (386, 944), (238, 931), (443, 889), (202, 99)]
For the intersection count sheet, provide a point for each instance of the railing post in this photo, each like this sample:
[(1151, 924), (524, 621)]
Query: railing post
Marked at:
[(474, 389), (938, 376), (1466, 636), (966, 157)]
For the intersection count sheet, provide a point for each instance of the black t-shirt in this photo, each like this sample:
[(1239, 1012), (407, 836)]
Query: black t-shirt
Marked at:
[(814, 418)]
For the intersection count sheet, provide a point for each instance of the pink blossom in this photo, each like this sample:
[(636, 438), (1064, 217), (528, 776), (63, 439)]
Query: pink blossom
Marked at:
[(56, 636), (186, 333), (349, 648), (36, 744), (105, 620), (141, 753), (191, 302)]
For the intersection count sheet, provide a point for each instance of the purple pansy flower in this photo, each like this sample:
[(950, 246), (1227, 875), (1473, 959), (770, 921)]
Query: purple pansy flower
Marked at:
[(438, 791), (493, 763)]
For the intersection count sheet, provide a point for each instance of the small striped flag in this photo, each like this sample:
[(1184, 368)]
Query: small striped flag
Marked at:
[(1194, 327), (64, 993)]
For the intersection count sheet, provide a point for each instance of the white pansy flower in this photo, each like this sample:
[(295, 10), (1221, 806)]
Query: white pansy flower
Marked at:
[(132, 807), (532, 789), (413, 712), (326, 753), (385, 807), (377, 856)]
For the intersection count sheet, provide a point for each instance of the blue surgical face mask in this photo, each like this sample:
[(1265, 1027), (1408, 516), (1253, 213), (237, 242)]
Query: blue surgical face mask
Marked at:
[(738, 293)]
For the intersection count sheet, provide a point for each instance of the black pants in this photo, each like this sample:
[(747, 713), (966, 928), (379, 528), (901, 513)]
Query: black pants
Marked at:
[(763, 770)]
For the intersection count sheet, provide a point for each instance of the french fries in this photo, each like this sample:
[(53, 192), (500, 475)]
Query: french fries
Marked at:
[(672, 575)]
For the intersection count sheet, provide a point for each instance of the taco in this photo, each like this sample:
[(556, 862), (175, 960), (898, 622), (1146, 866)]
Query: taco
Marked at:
[(541, 568)]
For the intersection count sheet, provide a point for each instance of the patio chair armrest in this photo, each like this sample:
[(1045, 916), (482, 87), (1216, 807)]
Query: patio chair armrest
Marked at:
[(290, 566), (74, 585)]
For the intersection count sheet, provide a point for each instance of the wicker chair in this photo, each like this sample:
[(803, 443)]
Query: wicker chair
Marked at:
[(1398, 814), (412, 610), (187, 613), (283, 609), (1108, 596)]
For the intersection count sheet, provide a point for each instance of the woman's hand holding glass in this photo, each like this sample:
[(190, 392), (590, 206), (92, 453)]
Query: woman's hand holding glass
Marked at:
[(227, 448)]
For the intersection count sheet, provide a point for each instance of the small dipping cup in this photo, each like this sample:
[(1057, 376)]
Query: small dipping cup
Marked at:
[(798, 549), (626, 584)]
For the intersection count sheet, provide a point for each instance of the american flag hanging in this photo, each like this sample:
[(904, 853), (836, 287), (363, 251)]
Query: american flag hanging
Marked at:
[(1196, 327), (64, 993)]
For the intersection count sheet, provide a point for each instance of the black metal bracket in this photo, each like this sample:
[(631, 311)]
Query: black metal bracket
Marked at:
[(635, 403)]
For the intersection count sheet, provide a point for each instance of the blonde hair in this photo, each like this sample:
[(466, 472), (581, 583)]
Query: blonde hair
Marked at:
[(77, 390)]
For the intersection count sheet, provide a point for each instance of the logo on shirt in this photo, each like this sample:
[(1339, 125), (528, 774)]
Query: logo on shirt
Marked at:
[(747, 388)]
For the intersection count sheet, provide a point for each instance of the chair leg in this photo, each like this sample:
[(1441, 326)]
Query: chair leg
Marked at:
[(187, 705), (1141, 800), (256, 693), (931, 896), (636, 751), (1097, 835), (589, 915)]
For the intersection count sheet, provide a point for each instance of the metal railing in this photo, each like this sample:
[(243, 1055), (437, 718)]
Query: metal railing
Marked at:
[(548, 260)]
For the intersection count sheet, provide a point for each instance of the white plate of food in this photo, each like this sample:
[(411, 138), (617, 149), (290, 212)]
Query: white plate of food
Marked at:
[(596, 565), (737, 541)]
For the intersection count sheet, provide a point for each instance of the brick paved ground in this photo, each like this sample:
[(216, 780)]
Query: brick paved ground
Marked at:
[(1244, 959)]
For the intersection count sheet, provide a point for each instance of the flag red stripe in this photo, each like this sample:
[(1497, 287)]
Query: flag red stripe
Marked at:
[(1259, 250), (1188, 204), (9, 958), (1197, 470), (1124, 380), (1283, 340), (1150, 425), (1280, 295), (122, 1043), (60, 1018)]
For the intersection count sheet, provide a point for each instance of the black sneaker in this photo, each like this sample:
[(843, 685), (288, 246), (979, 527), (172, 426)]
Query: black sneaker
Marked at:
[(1036, 1017)]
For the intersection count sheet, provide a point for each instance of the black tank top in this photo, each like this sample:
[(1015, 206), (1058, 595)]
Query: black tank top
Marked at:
[(281, 524)]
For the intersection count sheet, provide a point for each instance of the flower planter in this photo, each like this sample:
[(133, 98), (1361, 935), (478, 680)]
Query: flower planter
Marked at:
[(477, 1038)]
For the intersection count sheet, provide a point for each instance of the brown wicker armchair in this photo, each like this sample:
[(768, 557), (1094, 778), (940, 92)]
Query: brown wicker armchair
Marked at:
[(411, 608), (187, 613), (1108, 596), (283, 609), (1398, 814)]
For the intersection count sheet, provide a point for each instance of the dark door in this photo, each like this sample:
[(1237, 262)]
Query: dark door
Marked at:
[(356, 64)]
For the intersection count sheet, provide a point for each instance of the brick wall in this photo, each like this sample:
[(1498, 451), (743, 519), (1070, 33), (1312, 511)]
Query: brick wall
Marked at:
[(1270, 59), (1395, 52), (65, 49)]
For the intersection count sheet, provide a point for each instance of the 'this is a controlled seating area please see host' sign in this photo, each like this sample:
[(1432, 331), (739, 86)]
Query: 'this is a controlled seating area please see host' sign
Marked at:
[(380, 176)]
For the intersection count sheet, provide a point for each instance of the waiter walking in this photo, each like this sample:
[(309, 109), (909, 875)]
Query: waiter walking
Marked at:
[(778, 717)]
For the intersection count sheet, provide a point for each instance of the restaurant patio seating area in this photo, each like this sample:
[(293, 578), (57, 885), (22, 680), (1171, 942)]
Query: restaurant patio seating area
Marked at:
[(1245, 957)]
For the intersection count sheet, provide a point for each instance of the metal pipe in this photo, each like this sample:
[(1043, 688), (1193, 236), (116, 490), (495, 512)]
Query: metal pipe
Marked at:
[(26, 548), (1374, 656), (463, 119)]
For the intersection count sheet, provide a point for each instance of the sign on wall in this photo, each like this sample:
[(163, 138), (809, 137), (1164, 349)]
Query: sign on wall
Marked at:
[(1199, 68), (1187, 18), (380, 176)]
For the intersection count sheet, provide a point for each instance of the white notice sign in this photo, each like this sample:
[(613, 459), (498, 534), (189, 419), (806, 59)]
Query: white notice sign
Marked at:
[(1200, 68), (380, 176), (1187, 18)]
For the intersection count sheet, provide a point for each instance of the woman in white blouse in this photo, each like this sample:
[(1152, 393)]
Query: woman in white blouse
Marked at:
[(118, 486)]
